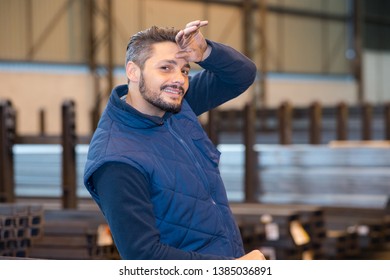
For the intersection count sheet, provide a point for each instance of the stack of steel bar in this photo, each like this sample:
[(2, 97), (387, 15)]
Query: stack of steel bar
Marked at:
[(75, 235), (280, 232), (341, 244), (369, 226), (335, 232), (313, 221), (20, 227)]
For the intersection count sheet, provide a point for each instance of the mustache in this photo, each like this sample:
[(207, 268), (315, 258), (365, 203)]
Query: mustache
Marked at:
[(182, 91)]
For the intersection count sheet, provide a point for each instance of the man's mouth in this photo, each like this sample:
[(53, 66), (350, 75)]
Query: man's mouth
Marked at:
[(173, 89)]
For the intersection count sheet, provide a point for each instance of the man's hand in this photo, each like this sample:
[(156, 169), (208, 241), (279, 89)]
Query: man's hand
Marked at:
[(193, 45), (254, 255)]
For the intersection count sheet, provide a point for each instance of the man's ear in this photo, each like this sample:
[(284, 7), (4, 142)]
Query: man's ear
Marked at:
[(133, 72)]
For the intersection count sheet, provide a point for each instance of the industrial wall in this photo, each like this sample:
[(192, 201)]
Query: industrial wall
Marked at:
[(308, 51)]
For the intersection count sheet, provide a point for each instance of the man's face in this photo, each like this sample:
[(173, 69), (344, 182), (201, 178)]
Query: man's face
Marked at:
[(164, 79)]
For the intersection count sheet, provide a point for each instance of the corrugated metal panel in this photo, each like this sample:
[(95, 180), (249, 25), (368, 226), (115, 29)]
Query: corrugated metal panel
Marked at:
[(330, 6), (42, 30), (57, 31), (13, 29), (56, 23)]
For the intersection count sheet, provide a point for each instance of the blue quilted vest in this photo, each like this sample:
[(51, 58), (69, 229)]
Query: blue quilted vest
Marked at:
[(181, 164)]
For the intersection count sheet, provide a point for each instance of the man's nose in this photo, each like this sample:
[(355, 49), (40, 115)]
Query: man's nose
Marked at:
[(179, 78)]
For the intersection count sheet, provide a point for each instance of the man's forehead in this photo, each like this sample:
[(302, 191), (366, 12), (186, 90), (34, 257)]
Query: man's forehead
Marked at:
[(166, 51)]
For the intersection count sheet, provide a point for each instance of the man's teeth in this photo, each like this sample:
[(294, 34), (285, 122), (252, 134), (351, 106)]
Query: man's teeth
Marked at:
[(172, 91)]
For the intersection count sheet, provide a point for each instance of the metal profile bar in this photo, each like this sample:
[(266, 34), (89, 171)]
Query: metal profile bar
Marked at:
[(69, 185), (96, 41), (251, 182), (366, 118), (7, 139), (386, 121), (285, 123), (315, 123), (342, 121)]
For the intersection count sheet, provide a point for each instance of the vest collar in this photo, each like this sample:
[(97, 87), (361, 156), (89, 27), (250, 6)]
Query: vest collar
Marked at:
[(128, 115)]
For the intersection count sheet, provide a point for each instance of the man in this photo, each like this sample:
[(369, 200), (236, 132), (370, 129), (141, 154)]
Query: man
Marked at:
[(151, 168)]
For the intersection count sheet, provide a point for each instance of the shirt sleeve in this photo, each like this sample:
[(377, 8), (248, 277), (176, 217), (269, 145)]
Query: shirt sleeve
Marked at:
[(226, 74), (124, 199)]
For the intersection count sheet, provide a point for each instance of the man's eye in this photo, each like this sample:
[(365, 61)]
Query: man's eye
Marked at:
[(186, 72)]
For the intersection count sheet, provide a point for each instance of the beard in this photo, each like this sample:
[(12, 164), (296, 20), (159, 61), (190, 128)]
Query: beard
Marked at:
[(156, 99)]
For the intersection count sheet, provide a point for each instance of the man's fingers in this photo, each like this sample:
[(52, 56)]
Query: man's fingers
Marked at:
[(203, 23), (198, 23), (189, 30), (184, 35), (194, 25), (179, 36), (190, 42)]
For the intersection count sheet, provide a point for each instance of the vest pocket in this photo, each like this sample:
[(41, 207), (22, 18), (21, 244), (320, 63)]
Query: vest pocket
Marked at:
[(206, 147)]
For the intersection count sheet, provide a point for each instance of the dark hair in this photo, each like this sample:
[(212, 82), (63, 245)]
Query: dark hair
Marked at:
[(140, 45)]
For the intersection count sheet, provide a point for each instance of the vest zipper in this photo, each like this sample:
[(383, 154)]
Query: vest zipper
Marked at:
[(191, 154), (204, 179)]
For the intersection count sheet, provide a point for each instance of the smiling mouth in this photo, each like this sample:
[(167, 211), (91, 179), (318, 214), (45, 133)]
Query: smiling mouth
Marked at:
[(173, 90)]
